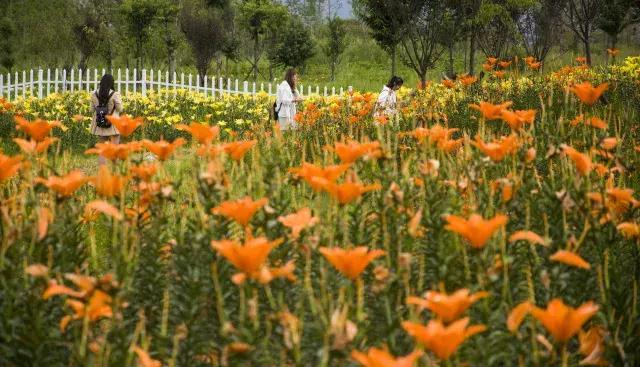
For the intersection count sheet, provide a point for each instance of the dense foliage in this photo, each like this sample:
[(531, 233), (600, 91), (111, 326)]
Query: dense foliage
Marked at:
[(223, 244)]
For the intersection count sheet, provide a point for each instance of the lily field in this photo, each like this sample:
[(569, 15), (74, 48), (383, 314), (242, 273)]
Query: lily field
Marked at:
[(492, 222)]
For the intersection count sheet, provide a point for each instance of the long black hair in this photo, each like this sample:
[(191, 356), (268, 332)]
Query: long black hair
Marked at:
[(106, 85), (395, 81)]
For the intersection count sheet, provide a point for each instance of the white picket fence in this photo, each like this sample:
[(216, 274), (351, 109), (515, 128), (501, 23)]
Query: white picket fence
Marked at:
[(41, 83)]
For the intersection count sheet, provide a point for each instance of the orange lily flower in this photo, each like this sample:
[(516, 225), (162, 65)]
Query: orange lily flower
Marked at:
[(528, 236), (248, 258), (592, 346), (535, 65), (609, 143), (487, 67), (37, 270), (163, 149), (382, 358), (587, 93), (144, 360), (497, 150), (491, 111), (108, 184), (308, 171), (104, 208), (298, 221), (570, 258), (629, 229), (285, 271), (65, 185), (596, 122), (447, 307), (448, 83), (144, 171), (562, 321), (581, 160), (517, 315), (613, 52), (442, 340), (238, 149), (350, 262), (9, 166), (476, 230), (203, 133), (55, 289), (112, 151), (450, 145), (467, 80), (32, 146), (125, 124), (38, 130), (352, 151), (240, 210), (499, 74), (492, 60), (581, 59), (97, 307), (345, 192), (516, 119), (504, 64)]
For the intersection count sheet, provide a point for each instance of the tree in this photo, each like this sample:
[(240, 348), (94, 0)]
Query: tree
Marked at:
[(296, 47), (616, 16), (540, 27), (422, 45), (581, 17), (86, 31), (168, 14), (334, 45), (388, 22), (454, 27), (203, 28), (139, 16), (7, 32), (497, 28), (258, 17)]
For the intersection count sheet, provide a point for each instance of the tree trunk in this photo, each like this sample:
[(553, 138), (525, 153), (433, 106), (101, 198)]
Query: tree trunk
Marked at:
[(587, 48), (255, 55), (333, 70), (393, 60), (139, 56), (472, 53), (450, 71)]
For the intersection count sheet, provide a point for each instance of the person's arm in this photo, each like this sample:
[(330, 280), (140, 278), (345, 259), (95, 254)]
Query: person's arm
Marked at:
[(117, 102)]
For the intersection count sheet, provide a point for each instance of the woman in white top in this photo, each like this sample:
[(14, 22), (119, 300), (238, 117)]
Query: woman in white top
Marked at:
[(387, 100), (286, 99), (106, 99)]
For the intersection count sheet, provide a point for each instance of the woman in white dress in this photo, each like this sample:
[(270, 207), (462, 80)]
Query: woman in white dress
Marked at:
[(105, 101), (286, 99), (387, 99)]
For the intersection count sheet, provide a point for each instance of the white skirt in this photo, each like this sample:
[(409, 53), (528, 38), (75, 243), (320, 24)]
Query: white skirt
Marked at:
[(287, 123)]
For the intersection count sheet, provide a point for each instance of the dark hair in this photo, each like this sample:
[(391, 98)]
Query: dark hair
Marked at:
[(106, 85), (395, 81), (289, 78)]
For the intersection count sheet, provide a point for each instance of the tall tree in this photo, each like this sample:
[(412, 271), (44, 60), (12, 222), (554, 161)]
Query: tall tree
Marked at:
[(616, 16), (258, 17), (168, 14), (334, 44), (86, 31), (497, 29), (139, 16), (454, 27), (204, 29), (296, 46), (540, 27), (422, 45), (581, 17), (388, 22), (7, 33)]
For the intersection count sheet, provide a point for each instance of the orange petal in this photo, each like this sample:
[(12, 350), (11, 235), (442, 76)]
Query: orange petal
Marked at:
[(517, 315), (104, 208), (570, 258)]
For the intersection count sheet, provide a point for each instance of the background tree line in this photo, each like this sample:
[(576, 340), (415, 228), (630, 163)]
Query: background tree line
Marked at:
[(257, 39)]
